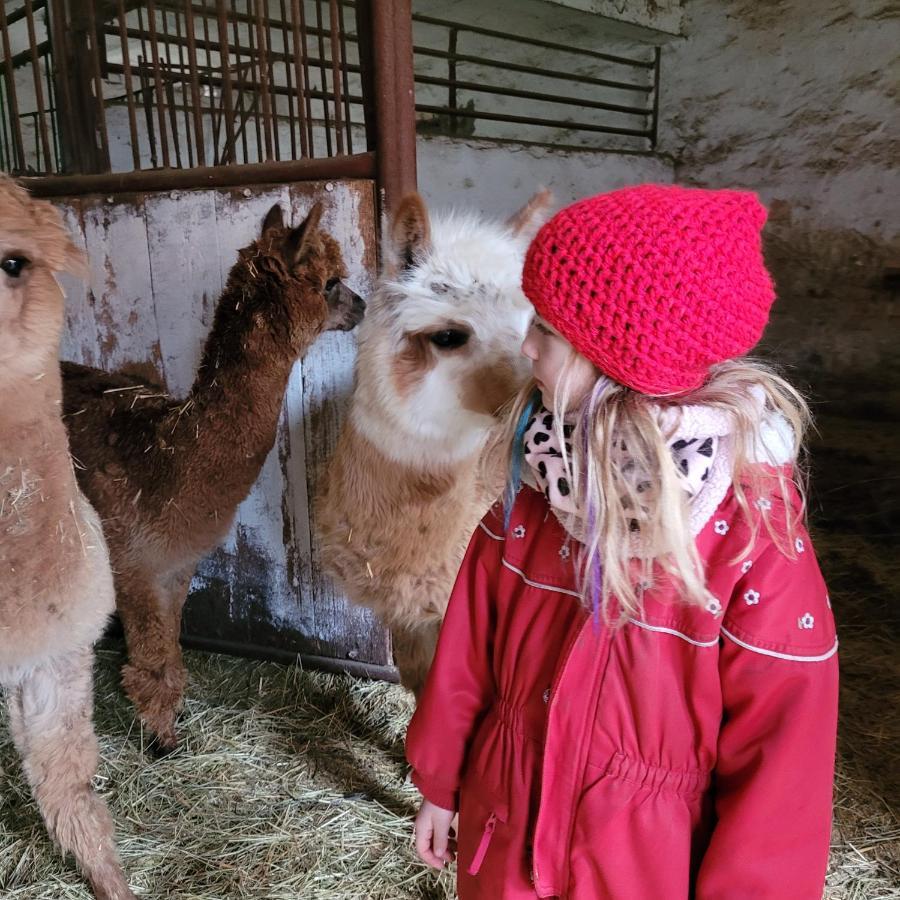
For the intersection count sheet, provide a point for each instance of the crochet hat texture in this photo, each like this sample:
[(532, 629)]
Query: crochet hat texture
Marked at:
[(654, 284)]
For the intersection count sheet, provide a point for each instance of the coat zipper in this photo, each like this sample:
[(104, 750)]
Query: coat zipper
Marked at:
[(478, 858)]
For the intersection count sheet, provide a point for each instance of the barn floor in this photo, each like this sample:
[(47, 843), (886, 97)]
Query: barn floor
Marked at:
[(291, 786)]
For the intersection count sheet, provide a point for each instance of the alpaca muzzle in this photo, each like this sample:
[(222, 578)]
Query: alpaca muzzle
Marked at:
[(345, 308)]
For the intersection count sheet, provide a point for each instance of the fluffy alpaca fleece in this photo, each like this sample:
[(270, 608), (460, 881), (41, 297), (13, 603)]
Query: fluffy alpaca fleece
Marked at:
[(56, 589), (167, 475), (439, 355)]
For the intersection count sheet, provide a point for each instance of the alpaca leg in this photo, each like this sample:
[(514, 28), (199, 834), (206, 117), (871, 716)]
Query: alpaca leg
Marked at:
[(414, 651), (154, 677), (50, 713)]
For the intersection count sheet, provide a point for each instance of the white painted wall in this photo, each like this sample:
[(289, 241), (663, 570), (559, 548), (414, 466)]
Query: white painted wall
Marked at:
[(496, 178)]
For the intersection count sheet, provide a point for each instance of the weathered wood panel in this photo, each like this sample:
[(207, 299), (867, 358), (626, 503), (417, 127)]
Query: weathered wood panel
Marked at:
[(158, 263)]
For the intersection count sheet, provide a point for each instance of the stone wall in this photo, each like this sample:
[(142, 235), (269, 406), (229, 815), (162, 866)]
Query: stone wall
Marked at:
[(798, 102)]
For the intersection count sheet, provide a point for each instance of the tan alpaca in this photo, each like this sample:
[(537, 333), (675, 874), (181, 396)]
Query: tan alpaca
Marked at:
[(167, 475), (438, 357), (56, 589)]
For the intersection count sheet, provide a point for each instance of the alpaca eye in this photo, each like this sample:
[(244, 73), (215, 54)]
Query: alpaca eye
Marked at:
[(13, 265), (331, 284), (449, 339)]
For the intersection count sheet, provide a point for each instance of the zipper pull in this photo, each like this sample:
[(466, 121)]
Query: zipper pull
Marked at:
[(478, 858)]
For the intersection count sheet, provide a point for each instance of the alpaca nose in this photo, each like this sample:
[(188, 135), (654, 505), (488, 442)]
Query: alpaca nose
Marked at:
[(346, 308)]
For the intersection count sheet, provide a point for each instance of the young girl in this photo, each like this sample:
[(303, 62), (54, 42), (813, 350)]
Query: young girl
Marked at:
[(635, 690)]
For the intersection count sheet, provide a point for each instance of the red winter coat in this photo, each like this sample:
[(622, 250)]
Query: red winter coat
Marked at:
[(688, 754)]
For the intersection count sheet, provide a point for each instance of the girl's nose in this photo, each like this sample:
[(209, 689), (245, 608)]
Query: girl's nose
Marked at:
[(528, 348)]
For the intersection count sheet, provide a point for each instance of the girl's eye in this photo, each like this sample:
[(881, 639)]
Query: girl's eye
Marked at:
[(449, 339), (13, 265), (331, 284), (541, 327)]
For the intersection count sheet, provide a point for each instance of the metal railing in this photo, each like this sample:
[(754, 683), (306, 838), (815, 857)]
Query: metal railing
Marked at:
[(575, 97)]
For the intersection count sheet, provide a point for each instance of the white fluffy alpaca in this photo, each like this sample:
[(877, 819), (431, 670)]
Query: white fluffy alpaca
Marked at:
[(439, 355)]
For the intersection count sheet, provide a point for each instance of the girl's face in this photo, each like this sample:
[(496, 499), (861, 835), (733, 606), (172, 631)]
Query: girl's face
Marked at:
[(549, 352)]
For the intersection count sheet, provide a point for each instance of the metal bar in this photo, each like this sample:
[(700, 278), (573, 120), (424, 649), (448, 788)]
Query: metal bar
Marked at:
[(6, 163), (391, 36), (288, 79), (212, 45), (451, 72), (224, 59), (654, 123), (23, 57), (214, 114), (273, 97), (20, 13), (129, 92), (253, 66), (187, 116), (361, 165), (100, 112), (335, 47), (531, 120), (215, 80), (147, 96), (535, 42), (348, 117), (158, 86), (534, 95), (170, 90), (11, 99), (306, 660), (299, 11), (367, 71), (324, 82), (229, 154), (534, 70), (196, 102), (38, 86), (51, 99), (264, 80)]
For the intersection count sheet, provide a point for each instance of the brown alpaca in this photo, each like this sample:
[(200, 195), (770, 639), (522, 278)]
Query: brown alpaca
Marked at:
[(56, 589), (439, 355), (167, 475)]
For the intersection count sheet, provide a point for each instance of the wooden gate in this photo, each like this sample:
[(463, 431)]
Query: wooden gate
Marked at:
[(165, 131)]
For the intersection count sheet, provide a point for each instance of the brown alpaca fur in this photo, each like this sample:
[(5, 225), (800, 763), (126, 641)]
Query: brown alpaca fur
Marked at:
[(406, 486), (167, 475), (56, 589)]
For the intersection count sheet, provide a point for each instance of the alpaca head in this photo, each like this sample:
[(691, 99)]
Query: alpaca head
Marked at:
[(289, 285), (439, 352), (34, 246)]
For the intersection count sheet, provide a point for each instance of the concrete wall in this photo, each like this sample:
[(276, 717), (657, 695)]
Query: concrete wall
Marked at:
[(798, 101), (496, 178)]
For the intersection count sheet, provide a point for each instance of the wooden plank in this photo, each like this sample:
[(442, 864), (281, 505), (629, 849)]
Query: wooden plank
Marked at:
[(158, 263)]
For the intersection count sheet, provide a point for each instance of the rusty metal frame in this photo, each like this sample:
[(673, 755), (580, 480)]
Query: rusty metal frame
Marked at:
[(384, 40)]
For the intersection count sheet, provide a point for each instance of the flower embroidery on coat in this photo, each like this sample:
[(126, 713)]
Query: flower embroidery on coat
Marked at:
[(806, 621), (519, 531), (746, 566), (764, 504), (752, 598), (721, 526), (714, 607), (564, 551), (799, 546)]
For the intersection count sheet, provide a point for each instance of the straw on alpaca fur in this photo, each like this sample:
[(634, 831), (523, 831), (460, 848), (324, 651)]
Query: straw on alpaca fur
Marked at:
[(56, 591)]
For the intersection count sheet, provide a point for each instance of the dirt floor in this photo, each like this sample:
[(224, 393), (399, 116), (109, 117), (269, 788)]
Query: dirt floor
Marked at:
[(291, 784)]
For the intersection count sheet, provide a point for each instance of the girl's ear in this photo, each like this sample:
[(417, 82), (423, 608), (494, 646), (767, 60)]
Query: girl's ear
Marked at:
[(525, 222), (409, 236)]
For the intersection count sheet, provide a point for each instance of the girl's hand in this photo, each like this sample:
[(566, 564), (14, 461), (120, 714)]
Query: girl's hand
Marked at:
[(435, 839)]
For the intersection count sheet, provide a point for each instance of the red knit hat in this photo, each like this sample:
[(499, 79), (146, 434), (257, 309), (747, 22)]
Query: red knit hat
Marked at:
[(654, 283)]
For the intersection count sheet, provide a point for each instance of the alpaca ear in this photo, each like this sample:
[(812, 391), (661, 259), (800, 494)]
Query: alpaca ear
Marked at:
[(409, 235), (526, 221), (297, 241), (274, 218)]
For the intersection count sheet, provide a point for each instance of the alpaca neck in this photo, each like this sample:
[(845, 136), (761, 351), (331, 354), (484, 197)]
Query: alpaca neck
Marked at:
[(230, 418)]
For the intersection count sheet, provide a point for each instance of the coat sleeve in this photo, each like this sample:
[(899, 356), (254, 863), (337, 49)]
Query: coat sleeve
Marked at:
[(775, 766), (460, 685)]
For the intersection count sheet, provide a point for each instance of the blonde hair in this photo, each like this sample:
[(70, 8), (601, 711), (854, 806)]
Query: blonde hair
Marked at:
[(627, 482)]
